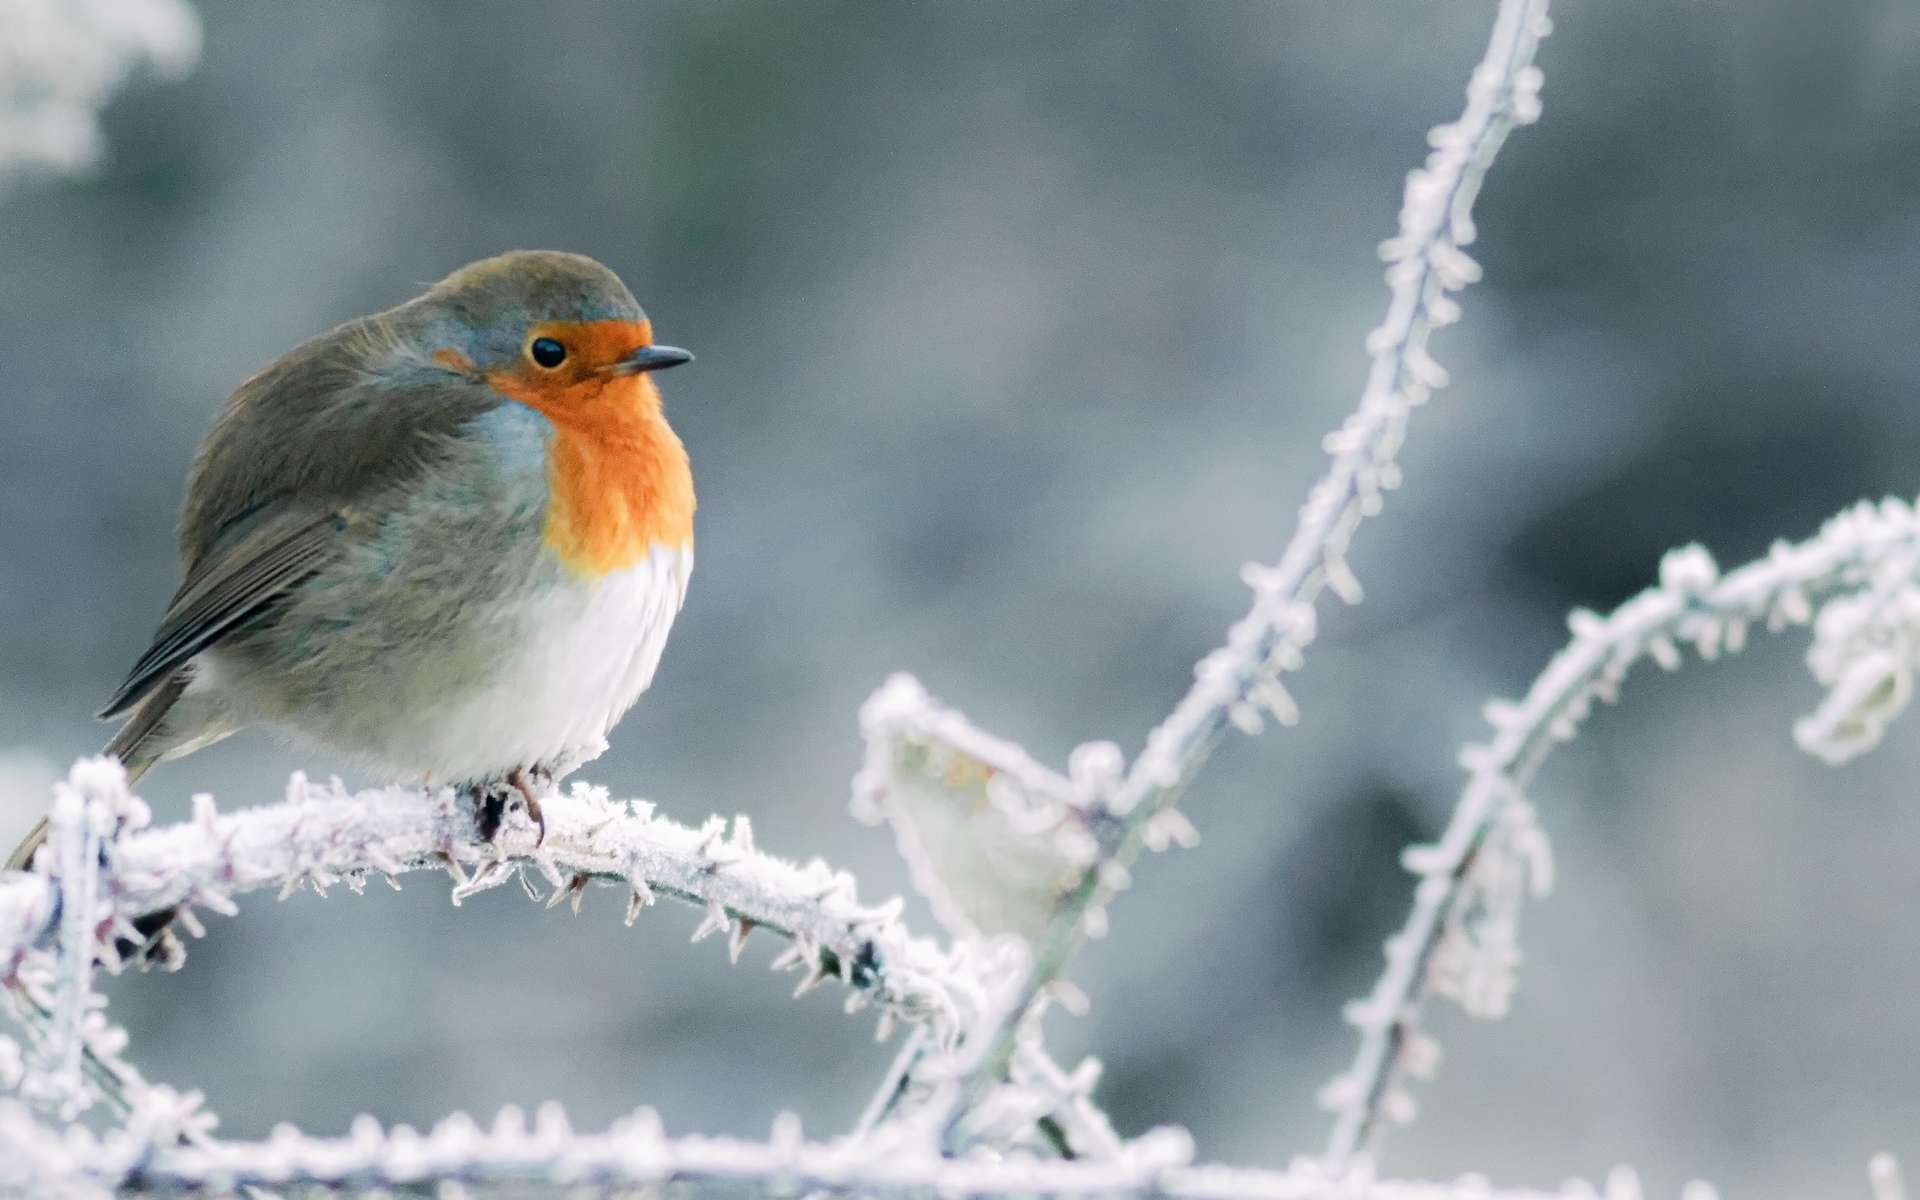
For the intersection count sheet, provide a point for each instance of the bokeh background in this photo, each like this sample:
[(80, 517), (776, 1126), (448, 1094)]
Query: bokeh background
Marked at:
[(1018, 326)]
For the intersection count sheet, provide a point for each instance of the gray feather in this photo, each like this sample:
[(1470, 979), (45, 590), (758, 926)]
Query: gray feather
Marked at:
[(231, 588), (303, 450)]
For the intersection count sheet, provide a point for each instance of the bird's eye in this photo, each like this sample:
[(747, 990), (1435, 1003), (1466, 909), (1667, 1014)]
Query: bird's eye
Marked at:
[(547, 352)]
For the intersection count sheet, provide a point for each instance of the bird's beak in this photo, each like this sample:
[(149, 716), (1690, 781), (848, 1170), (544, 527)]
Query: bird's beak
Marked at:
[(649, 358)]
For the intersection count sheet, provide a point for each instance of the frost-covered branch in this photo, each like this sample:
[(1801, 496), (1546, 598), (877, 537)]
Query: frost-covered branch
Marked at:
[(75, 1056), (323, 835), (546, 1156), (1239, 684), (1857, 581)]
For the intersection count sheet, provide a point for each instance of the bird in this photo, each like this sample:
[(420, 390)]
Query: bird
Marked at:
[(447, 541)]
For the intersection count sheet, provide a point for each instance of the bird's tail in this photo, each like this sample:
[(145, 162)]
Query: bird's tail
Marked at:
[(137, 746)]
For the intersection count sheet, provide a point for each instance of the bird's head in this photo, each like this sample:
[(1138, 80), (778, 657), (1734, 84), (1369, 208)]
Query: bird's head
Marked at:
[(557, 331)]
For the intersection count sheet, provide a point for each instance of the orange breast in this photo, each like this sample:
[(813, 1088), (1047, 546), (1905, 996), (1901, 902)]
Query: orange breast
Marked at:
[(618, 474)]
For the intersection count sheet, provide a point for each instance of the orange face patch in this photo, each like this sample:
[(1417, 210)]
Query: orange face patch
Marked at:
[(619, 477)]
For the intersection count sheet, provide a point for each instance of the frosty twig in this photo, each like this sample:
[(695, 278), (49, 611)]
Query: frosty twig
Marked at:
[(519, 1157), (1855, 580), (322, 836), (1239, 683)]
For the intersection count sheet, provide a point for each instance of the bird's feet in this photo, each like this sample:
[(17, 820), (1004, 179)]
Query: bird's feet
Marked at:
[(492, 801), (518, 779)]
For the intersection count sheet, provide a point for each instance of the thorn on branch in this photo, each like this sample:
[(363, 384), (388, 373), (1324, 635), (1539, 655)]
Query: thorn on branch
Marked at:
[(574, 889), (716, 921), (737, 941), (640, 898)]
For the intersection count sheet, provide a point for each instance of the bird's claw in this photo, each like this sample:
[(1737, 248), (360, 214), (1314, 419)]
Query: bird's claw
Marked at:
[(519, 782), (490, 804)]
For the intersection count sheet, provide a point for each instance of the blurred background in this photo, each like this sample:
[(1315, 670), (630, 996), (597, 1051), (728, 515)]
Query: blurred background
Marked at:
[(1018, 327)]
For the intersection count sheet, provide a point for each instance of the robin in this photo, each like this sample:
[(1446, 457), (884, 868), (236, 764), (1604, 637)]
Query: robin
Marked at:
[(447, 540)]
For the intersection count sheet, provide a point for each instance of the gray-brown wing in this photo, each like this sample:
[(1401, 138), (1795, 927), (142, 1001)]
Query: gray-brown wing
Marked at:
[(236, 583), (347, 416), (352, 413)]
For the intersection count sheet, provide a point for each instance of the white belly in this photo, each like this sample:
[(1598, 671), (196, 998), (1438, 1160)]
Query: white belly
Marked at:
[(584, 652)]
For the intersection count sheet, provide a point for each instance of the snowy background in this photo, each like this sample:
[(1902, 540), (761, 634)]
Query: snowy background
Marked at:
[(1018, 329)]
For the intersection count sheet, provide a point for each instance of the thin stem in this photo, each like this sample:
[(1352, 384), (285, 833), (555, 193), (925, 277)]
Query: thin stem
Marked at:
[(1690, 605), (513, 1158), (1232, 684)]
